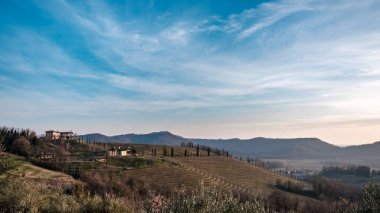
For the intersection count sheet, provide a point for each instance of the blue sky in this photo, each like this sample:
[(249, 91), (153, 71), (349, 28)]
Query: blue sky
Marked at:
[(215, 69)]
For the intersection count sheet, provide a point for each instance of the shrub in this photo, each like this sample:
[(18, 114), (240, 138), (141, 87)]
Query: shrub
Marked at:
[(331, 189), (21, 146), (21, 195), (18, 196), (371, 198), (206, 199), (7, 163)]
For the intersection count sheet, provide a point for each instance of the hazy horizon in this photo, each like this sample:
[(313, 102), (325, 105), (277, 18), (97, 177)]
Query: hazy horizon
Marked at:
[(215, 69)]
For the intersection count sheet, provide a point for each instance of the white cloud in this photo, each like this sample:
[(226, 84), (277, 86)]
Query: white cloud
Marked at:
[(28, 52), (316, 60)]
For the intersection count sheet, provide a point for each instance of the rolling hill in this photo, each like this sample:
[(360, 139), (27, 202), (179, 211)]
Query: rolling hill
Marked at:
[(163, 138), (226, 172), (267, 148)]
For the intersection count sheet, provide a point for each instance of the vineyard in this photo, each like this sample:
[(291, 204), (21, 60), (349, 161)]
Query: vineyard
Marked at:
[(226, 172)]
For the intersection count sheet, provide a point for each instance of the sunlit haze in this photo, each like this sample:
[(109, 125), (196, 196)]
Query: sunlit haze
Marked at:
[(205, 69)]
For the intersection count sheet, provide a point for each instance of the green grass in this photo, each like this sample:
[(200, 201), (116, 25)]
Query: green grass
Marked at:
[(7, 162)]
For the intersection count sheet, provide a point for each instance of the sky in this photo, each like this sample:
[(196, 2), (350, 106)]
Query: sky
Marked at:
[(205, 69)]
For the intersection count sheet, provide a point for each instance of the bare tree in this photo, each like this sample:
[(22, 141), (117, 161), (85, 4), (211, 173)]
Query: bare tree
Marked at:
[(21, 146)]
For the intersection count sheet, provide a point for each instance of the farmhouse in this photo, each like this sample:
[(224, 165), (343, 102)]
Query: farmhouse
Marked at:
[(52, 134), (119, 152)]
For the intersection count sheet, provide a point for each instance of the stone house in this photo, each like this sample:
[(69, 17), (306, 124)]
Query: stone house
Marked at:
[(52, 134)]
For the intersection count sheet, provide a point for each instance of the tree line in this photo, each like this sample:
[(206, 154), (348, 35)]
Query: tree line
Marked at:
[(17, 141), (209, 150), (359, 171)]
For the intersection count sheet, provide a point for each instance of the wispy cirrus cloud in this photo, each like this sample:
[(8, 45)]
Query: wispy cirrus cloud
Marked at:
[(283, 62)]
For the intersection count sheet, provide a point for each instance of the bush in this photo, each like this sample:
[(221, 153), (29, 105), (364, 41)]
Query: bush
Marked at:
[(97, 203), (331, 189), (206, 199), (290, 186), (22, 195), (371, 198), (7, 163), (16, 195), (21, 146)]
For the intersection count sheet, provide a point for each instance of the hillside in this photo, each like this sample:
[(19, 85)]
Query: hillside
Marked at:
[(147, 171), (226, 172), (29, 188), (275, 148), (42, 176), (365, 150), (267, 148)]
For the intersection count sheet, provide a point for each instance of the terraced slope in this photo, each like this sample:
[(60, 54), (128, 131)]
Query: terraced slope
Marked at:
[(168, 176), (225, 172), (234, 172)]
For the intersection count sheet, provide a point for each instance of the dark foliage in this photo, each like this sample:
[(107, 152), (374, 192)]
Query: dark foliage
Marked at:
[(359, 171)]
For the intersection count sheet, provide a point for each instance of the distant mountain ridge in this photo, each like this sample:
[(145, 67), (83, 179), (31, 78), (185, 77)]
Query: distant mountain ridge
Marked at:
[(163, 137), (270, 148)]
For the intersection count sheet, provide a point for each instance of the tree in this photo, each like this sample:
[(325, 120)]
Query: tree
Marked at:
[(371, 198), (105, 146), (133, 151), (61, 157), (2, 146), (29, 135), (172, 152), (6, 162), (198, 150), (363, 171), (190, 144), (21, 146), (165, 151)]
